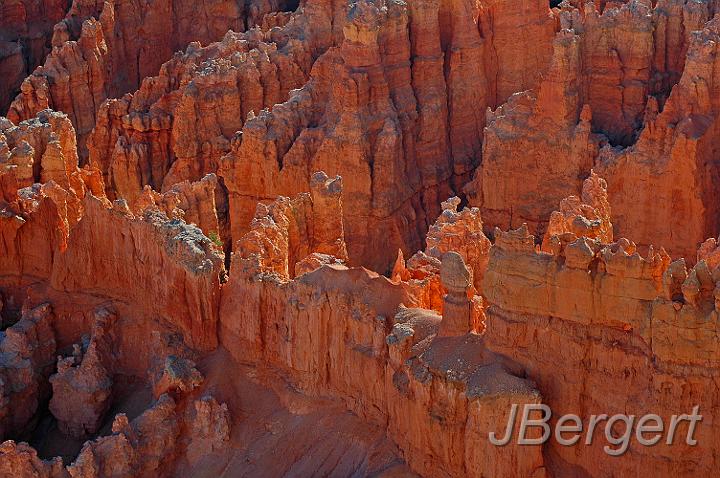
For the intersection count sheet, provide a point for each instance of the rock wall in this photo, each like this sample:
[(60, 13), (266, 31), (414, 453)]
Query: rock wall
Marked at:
[(628, 93), (103, 50), (674, 157), (28, 351), (584, 216), (36, 217), (166, 133), (328, 329), (627, 334), (400, 124), (161, 165), (82, 385), (53, 230), (285, 233), (99, 260), (180, 123), (26, 29)]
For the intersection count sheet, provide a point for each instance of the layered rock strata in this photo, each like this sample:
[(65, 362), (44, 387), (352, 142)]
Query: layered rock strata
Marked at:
[(289, 235), (28, 350), (584, 216), (26, 30), (181, 121), (460, 232), (103, 50), (605, 318), (437, 397), (406, 132), (218, 153), (628, 95), (163, 134), (82, 385)]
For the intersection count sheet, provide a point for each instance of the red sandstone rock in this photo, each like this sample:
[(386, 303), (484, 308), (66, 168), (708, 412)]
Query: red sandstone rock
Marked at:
[(284, 233), (522, 177), (135, 448), (178, 375), (462, 233), (26, 28), (314, 261), (643, 304), (392, 97), (211, 429), (172, 249), (82, 386), (372, 375), (709, 251), (630, 87), (679, 183), (399, 96), (421, 275), (110, 54), (457, 311), (21, 461), (588, 216), (163, 134), (28, 349), (452, 232), (85, 391), (195, 203)]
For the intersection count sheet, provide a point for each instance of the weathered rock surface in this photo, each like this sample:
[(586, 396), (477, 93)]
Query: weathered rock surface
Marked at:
[(36, 217), (672, 158), (194, 203), (180, 253), (457, 310), (81, 394), (606, 318), (286, 232), (460, 232), (162, 134), (180, 123), (52, 230), (27, 349), (26, 30), (187, 138), (21, 460), (103, 50), (537, 146), (178, 375), (82, 385), (438, 407), (621, 97), (135, 448), (585, 216), (210, 428), (400, 131)]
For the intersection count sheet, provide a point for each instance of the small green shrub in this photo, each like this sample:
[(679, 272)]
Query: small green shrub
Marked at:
[(215, 238)]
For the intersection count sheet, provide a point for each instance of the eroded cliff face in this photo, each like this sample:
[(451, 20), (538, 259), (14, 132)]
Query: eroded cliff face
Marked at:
[(400, 124), (205, 210), (102, 50), (396, 111), (673, 155), (628, 334), (71, 345), (26, 30), (617, 98), (345, 333)]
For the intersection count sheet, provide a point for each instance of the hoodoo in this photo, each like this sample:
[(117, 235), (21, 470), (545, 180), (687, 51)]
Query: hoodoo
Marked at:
[(359, 238)]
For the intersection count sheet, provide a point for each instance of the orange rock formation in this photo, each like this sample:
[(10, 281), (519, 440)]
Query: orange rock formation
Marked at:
[(206, 206)]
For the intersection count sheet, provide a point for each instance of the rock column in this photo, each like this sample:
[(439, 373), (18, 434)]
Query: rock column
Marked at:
[(457, 309)]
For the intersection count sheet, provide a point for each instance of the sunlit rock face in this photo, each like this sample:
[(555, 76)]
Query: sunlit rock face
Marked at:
[(332, 238)]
